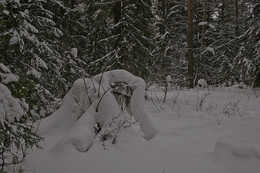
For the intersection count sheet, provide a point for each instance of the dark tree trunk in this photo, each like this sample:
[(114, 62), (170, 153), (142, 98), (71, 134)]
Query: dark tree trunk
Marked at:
[(117, 16), (222, 12), (203, 29), (67, 17), (256, 82), (237, 34), (190, 44)]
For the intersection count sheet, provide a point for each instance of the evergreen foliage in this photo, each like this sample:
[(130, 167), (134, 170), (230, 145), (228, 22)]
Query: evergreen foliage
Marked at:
[(29, 52), (16, 123), (128, 42), (247, 61), (171, 41)]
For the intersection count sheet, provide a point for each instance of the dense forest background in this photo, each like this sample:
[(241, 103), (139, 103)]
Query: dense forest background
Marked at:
[(47, 44)]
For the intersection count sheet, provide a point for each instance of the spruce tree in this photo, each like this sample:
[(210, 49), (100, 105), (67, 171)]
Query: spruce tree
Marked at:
[(247, 61), (28, 48), (171, 31), (129, 42)]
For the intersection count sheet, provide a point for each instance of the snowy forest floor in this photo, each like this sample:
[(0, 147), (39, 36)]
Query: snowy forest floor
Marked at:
[(199, 131)]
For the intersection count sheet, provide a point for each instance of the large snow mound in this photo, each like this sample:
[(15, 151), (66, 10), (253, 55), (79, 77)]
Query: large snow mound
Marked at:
[(90, 102), (228, 146)]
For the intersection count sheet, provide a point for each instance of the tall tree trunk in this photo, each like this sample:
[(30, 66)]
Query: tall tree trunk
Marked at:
[(236, 23), (197, 54), (69, 3), (67, 17), (190, 44), (237, 34), (222, 12), (203, 29), (163, 29), (117, 16), (256, 9), (164, 9)]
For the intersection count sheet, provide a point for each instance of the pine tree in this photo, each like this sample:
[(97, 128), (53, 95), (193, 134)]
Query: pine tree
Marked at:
[(16, 127), (98, 37), (247, 61), (16, 120), (216, 40), (74, 40), (226, 46), (190, 45), (28, 35), (129, 43), (204, 36), (171, 31)]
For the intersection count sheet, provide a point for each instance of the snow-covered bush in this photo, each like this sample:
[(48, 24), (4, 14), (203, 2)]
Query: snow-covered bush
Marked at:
[(202, 83), (16, 136), (91, 105), (137, 98)]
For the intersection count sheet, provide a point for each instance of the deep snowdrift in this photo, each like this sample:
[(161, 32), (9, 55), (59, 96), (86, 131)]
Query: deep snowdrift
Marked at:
[(198, 131), (91, 102)]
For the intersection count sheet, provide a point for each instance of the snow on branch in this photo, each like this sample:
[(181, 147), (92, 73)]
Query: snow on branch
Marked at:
[(6, 77), (10, 108), (4, 68)]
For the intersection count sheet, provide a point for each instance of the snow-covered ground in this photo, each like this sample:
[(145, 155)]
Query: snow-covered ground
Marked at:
[(199, 131)]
